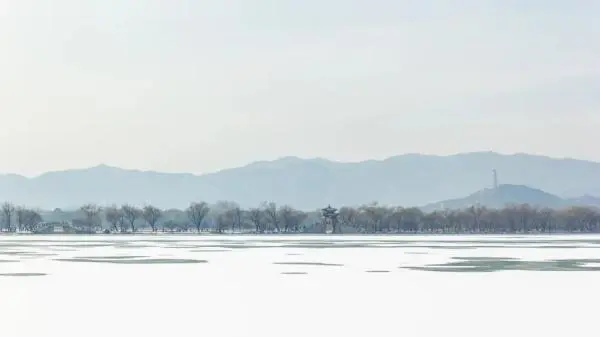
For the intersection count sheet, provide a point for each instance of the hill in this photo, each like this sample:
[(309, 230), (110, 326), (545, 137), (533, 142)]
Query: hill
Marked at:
[(409, 180), (502, 196)]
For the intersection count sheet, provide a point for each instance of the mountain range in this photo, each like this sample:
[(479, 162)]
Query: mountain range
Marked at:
[(407, 180)]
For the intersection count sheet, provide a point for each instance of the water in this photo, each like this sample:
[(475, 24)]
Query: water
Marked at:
[(299, 285)]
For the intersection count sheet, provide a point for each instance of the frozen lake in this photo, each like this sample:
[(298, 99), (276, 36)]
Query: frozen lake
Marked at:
[(299, 285)]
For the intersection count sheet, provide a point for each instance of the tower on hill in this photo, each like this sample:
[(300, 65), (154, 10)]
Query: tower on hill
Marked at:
[(495, 173)]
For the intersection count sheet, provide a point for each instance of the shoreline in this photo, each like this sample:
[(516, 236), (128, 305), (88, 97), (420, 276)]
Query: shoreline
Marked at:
[(302, 234)]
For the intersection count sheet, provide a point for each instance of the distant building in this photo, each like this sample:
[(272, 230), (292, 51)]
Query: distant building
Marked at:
[(330, 216)]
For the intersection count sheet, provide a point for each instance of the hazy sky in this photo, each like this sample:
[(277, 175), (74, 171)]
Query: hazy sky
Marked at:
[(196, 86)]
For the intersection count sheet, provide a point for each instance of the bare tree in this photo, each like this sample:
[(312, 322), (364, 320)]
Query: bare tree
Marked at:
[(375, 215), (151, 214), (115, 217), (476, 212), (8, 209), (272, 214), (237, 218), (131, 214), (170, 225), (411, 218), (27, 219), (299, 218), (286, 215), (183, 225), (222, 221), (20, 217), (91, 212), (290, 218), (31, 218), (256, 216), (196, 212), (227, 215), (347, 217), (545, 220)]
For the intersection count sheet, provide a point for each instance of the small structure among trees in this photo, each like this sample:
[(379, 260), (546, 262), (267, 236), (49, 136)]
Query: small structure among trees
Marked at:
[(330, 218)]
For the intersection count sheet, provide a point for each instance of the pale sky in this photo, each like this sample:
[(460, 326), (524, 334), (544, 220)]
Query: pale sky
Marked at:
[(197, 86)]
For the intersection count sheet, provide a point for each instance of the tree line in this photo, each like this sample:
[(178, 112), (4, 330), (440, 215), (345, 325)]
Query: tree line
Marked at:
[(229, 217)]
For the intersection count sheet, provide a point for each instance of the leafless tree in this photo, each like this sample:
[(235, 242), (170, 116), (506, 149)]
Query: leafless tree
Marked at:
[(297, 219), (412, 218), (286, 215), (476, 212), (27, 219), (170, 225), (8, 210), (256, 216), (131, 214), (545, 220), (221, 222), (31, 218), (348, 216), (227, 214), (272, 215), (375, 213), (91, 212), (20, 217), (196, 212), (151, 214), (396, 217), (290, 218), (237, 216), (115, 217), (183, 225)]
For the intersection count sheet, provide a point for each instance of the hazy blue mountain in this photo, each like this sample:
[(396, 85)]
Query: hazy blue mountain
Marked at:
[(409, 180), (500, 197)]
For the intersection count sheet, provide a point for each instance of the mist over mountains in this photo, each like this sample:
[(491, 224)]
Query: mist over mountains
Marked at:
[(407, 180)]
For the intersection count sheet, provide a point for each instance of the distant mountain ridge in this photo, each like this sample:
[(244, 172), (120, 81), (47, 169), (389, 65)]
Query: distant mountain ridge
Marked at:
[(407, 180)]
